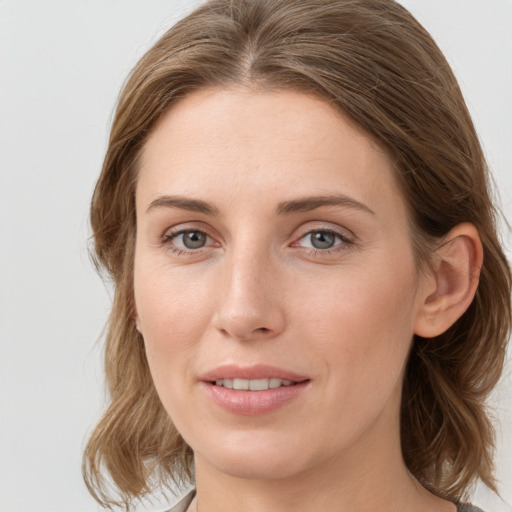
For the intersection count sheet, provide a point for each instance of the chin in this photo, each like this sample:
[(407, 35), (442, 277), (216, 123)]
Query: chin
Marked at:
[(254, 461), (256, 468)]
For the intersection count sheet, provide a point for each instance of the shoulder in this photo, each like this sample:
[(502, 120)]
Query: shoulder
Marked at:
[(466, 507), (184, 502)]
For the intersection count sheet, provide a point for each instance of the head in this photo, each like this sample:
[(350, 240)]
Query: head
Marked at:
[(374, 66)]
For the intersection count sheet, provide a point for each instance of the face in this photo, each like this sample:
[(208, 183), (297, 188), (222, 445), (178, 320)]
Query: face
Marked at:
[(275, 284)]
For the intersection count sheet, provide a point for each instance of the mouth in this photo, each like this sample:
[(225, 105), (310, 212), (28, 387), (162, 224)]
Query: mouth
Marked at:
[(254, 384), (253, 390)]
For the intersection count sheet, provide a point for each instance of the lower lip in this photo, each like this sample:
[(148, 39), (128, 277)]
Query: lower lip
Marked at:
[(252, 403)]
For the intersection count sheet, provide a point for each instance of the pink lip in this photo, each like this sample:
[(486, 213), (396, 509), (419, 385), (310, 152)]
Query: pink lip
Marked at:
[(252, 403), (260, 371)]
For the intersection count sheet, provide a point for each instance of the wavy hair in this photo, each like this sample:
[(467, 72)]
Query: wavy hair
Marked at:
[(373, 61)]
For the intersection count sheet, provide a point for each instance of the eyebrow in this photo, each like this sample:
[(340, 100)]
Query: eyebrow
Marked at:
[(304, 204), (307, 204), (184, 203)]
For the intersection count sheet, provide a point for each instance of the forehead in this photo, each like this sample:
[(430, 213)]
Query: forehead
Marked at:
[(218, 139)]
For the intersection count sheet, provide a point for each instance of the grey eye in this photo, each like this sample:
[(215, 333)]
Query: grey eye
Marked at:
[(193, 239), (322, 239)]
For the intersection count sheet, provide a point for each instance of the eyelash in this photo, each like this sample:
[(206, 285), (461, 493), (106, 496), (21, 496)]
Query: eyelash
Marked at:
[(171, 234), (344, 241)]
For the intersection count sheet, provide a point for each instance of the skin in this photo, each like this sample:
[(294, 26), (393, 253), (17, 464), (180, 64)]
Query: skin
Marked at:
[(257, 291)]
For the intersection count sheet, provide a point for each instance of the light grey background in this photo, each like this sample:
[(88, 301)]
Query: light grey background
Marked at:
[(61, 66)]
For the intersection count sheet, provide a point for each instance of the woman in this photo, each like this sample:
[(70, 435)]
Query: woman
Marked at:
[(311, 303)]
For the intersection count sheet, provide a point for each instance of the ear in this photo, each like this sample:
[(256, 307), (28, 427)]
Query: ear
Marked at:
[(451, 287)]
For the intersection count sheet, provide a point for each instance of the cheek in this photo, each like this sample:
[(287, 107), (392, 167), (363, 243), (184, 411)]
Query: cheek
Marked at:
[(363, 325), (365, 349), (173, 313), (354, 302)]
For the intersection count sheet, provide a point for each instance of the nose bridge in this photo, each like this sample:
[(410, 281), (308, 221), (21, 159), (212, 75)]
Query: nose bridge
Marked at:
[(248, 303), (248, 278)]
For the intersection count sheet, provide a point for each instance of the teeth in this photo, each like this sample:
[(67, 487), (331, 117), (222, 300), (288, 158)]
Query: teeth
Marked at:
[(258, 384), (274, 383), (253, 384), (241, 384)]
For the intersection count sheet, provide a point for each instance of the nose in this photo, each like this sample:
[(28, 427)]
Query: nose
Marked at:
[(249, 300)]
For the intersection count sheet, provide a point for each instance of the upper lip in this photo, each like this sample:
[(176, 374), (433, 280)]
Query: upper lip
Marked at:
[(259, 371)]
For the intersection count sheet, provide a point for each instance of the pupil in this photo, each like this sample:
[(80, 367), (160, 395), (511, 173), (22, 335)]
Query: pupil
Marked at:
[(194, 239), (322, 240)]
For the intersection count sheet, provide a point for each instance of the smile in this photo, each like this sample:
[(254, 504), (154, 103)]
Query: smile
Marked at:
[(254, 384)]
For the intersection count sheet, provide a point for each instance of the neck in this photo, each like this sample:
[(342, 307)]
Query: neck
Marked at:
[(369, 477), (311, 490)]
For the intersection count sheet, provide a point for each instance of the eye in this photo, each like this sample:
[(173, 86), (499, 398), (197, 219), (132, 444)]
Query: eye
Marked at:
[(187, 240), (193, 239), (323, 240)]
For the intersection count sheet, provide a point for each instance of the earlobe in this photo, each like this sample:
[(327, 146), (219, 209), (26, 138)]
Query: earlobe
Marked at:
[(456, 265)]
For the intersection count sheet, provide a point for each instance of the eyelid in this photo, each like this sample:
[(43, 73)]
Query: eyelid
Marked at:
[(183, 227), (172, 232), (346, 238), (311, 227), (171, 235)]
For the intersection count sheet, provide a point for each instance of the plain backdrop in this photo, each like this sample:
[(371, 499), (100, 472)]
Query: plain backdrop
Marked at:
[(61, 66)]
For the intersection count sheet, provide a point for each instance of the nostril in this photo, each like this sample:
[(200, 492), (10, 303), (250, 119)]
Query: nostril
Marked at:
[(243, 321)]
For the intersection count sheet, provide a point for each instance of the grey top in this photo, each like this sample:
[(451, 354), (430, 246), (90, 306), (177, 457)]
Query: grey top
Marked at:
[(184, 503), (465, 507)]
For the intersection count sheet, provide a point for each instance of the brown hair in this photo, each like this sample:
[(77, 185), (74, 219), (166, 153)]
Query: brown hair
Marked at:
[(373, 61)]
